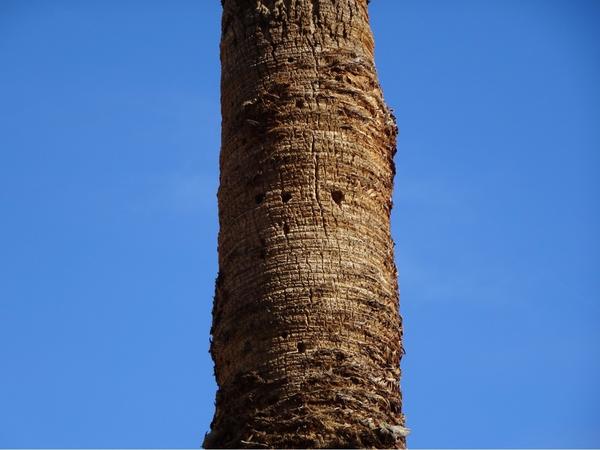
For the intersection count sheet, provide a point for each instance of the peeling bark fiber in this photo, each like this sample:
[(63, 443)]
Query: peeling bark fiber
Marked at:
[(306, 334)]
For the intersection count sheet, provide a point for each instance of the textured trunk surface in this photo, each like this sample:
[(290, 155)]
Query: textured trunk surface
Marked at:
[(306, 335)]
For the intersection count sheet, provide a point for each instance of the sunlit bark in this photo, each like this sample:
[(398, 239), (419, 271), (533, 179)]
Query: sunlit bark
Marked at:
[(306, 333)]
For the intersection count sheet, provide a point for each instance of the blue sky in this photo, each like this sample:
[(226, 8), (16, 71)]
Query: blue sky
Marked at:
[(109, 140)]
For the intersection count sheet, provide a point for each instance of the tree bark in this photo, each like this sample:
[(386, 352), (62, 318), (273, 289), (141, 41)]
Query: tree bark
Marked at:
[(306, 335)]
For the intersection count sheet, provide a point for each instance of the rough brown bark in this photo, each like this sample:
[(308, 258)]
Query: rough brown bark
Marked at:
[(306, 335)]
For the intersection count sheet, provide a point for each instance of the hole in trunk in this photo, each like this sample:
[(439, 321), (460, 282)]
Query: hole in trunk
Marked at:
[(259, 198), (337, 196), (301, 347), (286, 229), (286, 196)]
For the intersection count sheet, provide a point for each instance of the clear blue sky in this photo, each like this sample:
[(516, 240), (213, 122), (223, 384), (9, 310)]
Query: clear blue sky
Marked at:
[(109, 140)]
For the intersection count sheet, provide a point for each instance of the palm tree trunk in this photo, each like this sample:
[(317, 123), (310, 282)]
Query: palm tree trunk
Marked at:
[(306, 335)]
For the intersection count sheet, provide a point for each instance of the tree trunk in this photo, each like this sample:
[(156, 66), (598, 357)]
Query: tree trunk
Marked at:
[(306, 335)]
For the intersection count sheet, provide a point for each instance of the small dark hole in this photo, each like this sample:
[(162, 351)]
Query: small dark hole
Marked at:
[(286, 196), (286, 229), (284, 335), (337, 196), (291, 59), (259, 198), (300, 103), (301, 347)]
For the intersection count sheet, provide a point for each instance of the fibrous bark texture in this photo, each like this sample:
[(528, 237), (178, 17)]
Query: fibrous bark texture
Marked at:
[(306, 335)]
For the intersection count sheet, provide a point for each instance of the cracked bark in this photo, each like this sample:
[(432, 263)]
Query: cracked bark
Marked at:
[(306, 334)]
